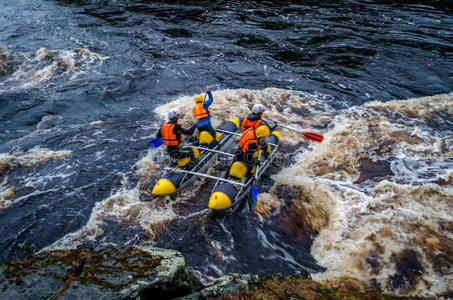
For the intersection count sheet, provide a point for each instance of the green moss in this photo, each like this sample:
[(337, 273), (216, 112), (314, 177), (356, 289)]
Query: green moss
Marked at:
[(300, 286), (124, 269), (33, 264), (336, 294), (102, 268)]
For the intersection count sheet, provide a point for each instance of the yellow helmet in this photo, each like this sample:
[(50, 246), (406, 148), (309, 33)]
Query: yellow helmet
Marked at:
[(198, 98), (262, 132)]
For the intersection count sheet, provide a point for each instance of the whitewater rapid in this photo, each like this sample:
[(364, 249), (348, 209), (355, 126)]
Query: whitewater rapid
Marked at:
[(377, 191)]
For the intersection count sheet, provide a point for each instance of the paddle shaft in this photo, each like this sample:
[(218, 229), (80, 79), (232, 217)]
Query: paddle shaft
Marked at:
[(308, 135), (284, 126), (257, 166)]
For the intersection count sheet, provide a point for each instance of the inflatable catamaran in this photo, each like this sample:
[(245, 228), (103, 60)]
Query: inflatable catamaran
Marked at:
[(181, 176), (232, 187)]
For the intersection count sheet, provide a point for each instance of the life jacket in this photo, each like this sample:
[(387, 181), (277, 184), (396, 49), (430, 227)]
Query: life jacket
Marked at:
[(247, 138), (246, 123), (199, 111), (170, 139)]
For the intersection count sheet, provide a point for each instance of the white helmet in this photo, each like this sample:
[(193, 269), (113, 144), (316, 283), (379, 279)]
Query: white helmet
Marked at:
[(174, 113), (258, 108)]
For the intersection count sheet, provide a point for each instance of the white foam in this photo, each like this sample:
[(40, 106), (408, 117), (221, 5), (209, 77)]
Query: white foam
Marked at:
[(380, 218), (30, 158), (33, 69)]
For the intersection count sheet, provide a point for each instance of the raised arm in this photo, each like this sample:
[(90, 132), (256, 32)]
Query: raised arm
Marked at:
[(210, 99)]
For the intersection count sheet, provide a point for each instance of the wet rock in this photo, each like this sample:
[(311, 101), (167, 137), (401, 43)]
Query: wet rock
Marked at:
[(106, 272), (299, 286), (139, 272), (228, 284)]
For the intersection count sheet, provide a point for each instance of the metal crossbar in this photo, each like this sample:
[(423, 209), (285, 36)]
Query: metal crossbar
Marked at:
[(210, 150), (208, 176), (238, 134), (228, 132)]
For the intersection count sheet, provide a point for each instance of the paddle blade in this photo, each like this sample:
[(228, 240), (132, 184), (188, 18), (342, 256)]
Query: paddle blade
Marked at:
[(313, 136), (156, 143), (253, 197)]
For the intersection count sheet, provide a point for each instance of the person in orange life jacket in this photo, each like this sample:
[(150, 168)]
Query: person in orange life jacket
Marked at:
[(171, 133), (201, 112), (252, 140), (254, 119)]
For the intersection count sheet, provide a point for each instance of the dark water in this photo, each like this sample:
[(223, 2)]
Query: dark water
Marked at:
[(139, 54)]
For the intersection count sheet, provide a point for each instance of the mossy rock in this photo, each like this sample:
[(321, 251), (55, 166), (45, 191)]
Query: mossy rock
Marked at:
[(106, 272), (227, 284), (300, 287)]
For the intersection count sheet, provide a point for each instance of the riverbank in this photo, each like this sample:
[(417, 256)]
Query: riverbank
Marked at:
[(140, 272)]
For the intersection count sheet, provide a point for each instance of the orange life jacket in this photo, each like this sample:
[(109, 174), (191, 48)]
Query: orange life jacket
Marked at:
[(170, 139), (247, 138), (199, 111), (246, 123)]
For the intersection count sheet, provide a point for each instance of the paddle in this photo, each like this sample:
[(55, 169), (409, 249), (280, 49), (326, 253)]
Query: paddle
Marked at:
[(156, 143), (309, 135), (253, 197), (254, 190)]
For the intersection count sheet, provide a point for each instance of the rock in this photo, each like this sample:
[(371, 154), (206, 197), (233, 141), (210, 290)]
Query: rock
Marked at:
[(228, 284), (299, 287), (139, 272), (107, 272)]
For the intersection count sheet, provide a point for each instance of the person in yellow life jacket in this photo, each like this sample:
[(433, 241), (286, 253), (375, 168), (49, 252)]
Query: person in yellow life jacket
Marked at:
[(201, 112), (171, 133), (251, 141), (254, 118)]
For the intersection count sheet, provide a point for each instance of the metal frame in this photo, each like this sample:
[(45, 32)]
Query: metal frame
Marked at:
[(228, 132), (246, 187), (210, 150), (203, 163), (242, 193), (209, 176)]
